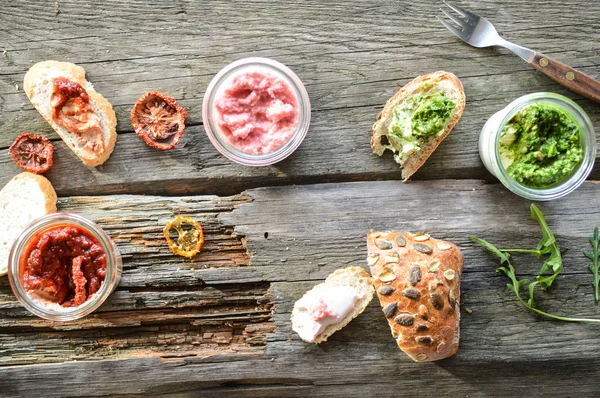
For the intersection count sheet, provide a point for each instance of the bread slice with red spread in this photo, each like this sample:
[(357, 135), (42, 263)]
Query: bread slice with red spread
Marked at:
[(26, 197), (84, 119), (331, 305), (417, 279)]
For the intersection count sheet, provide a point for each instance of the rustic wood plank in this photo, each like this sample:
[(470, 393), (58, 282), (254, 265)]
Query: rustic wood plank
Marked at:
[(162, 306), (312, 230), (349, 64), (163, 329), (296, 376)]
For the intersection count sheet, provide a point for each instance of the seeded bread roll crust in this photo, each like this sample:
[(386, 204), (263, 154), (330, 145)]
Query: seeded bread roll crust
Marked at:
[(429, 83), (417, 279)]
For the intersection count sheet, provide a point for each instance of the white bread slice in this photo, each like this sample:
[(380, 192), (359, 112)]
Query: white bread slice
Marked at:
[(431, 83), (26, 197), (38, 86), (353, 277)]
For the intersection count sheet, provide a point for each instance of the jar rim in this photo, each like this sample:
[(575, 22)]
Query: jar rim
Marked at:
[(214, 133), (113, 266), (588, 143)]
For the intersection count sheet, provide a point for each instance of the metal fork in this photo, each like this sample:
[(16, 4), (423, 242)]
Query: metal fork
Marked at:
[(479, 32)]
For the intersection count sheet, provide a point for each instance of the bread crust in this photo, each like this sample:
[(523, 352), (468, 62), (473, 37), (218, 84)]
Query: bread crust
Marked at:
[(77, 74), (381, 126), (356, 275), (46, 189), (419, 292)]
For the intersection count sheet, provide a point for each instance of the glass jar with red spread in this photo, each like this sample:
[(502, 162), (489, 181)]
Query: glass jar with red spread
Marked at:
[(63, 267)]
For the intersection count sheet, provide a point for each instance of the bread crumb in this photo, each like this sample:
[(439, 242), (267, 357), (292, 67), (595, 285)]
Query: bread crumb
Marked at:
[(16, 87), (469, 311)]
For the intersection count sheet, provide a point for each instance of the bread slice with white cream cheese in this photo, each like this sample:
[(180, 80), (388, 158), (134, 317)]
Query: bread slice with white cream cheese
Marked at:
[(331, 305), (398, 126), (38, 85), (26, 197)]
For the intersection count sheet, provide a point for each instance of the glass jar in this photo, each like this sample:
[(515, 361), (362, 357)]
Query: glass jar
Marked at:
[(47, 309), (489, 147), (221, 81)]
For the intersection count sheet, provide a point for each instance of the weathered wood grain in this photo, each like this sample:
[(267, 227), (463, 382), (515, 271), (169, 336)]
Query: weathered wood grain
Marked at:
[(162, 306), (349, 63), (184, 327), (296, 236)]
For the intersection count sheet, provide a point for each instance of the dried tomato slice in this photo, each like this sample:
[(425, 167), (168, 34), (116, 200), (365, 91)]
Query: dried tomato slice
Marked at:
[(33, 153), (189, 241), (158, 120)]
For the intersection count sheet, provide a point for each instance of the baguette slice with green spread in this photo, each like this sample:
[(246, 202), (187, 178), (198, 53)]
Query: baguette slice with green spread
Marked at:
[(417, 118)]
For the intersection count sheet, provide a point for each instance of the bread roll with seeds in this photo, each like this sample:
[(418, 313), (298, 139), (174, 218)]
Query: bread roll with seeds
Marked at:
[(413, 153), (417, 279), (331, 305)]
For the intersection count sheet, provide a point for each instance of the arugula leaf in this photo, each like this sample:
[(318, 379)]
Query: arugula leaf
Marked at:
[(530, 304), (595, 266), (547, 235), (501, 255), (546, 246)]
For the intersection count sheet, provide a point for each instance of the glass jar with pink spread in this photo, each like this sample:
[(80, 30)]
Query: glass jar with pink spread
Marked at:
[(256, 111)]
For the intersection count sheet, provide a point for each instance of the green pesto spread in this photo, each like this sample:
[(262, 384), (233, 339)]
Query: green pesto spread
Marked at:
[(416, 120), (540, 145)]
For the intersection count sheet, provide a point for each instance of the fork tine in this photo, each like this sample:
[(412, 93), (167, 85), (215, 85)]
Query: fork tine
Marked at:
[(451, 28), (461, 11), (454, 19)]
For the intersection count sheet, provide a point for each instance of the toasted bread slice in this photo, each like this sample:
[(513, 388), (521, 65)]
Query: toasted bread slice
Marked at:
[(354, 278), (418, 284), (38, 86), (26, 197), (431, 83)]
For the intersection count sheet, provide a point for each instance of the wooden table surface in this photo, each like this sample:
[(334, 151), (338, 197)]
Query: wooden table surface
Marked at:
[(219, 324)]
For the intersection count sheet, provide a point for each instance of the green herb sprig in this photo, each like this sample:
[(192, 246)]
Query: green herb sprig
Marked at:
[(546, 246), (595, 266)]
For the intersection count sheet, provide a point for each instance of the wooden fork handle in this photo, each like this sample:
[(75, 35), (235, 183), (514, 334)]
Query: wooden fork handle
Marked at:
[(566, 76)]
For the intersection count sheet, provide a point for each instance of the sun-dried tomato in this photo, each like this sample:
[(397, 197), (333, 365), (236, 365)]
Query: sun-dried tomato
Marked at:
[(158, 120), (190, 236), (33, 153)]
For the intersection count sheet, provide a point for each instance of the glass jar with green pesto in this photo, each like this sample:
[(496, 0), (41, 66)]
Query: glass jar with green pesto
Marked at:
[(542, 146)]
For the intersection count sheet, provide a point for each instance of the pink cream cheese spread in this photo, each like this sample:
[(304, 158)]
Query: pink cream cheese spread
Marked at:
[(321, 308), (257, 112)]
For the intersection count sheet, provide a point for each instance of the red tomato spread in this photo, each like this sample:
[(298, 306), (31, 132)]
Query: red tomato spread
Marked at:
[(71, 109), (257, 112), (65, 264)]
